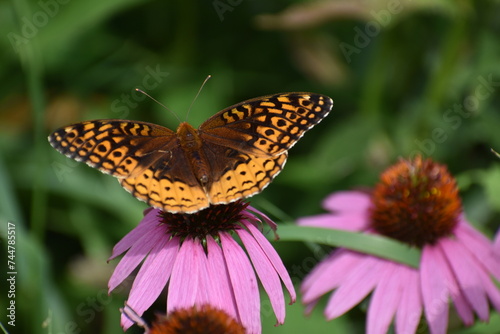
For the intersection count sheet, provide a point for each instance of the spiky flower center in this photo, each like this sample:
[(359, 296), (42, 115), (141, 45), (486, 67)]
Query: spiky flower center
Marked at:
[(209, 221), (194, 320), (416, 202)]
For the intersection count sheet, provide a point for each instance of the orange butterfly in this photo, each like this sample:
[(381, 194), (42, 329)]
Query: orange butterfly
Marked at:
[(235, 154)]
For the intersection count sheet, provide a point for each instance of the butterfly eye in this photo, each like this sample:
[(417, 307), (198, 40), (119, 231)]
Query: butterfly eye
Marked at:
[(204, 179)]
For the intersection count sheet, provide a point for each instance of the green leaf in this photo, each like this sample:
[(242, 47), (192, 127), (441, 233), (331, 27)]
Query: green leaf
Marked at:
[(366, 243)]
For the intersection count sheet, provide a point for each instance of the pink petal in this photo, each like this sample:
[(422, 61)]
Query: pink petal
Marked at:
[(460, 302), (222, 295), (479, 246), (251, 210), (275, 260), (135, 255), (410, 307), (465, 270), (357, 285), (267, 274), (152, 277), (329, 273), (205, 282), (347, 221), (148, 224), (385, 299), (310, 306), (492, 290), (183, 286), (244, 284), (434, 289), (347, 202)]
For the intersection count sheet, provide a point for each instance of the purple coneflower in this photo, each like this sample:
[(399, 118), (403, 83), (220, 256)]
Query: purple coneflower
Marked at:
[(415, 202), (196, 256)]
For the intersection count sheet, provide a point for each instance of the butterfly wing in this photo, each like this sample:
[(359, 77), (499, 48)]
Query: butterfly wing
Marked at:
[(247, 144), (117, 147), (145, 157), (169, 184), (268, 125), (237, 174)]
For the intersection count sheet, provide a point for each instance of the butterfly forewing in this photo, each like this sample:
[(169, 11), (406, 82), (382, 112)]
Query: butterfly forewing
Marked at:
[(117, 147), (269, 125)]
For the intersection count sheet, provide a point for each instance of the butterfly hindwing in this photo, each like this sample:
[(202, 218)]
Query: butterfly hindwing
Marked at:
[(236, 174), (169, 184)]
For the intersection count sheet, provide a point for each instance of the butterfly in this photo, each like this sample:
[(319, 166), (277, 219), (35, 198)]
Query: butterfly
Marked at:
[(234, 154)]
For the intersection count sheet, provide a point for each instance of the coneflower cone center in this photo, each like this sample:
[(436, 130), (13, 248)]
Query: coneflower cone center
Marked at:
[(416, 202), (196, 320), (209, 221)]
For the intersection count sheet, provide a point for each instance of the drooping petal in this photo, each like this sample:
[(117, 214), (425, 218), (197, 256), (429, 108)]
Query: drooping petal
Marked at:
[(274, 259), (460, 302), (152, 277), (360, 281), (479, 246), (410, 307), (491, 289), (148, 224), (384, 300), (251, 213), (434, 290), (347, 201), (244, 283), (266, 272), (135, 255), (183, 286), (222, 295), (329, 273), (465, 270)]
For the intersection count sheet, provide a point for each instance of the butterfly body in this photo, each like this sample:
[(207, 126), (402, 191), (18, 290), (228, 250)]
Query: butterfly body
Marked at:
[(192, 146), (234, 154)]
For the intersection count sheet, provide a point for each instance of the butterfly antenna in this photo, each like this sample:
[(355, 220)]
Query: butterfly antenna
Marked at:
[(199, 91), (161, 104)]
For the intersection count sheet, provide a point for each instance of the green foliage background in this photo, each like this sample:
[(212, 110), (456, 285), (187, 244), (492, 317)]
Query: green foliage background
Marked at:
[(406, 77)]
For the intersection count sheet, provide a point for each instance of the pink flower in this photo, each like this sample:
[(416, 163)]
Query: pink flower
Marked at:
[(416, 202), (196, 256)]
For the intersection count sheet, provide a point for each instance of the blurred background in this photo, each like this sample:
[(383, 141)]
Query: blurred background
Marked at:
[(406, 77)]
